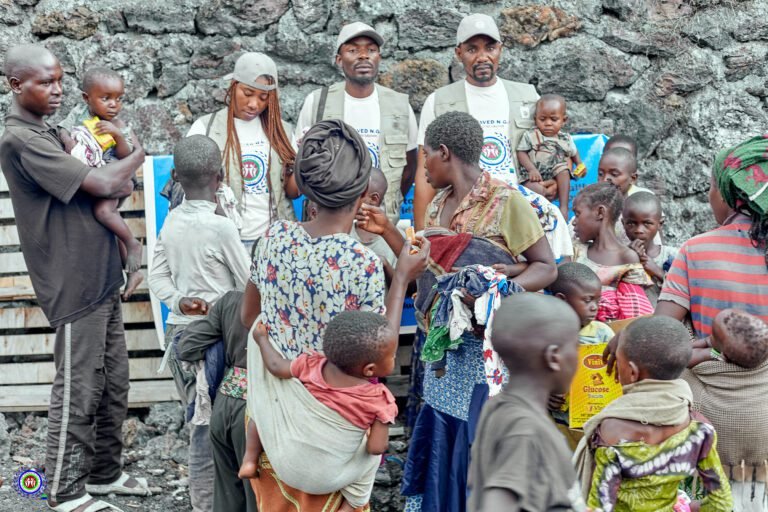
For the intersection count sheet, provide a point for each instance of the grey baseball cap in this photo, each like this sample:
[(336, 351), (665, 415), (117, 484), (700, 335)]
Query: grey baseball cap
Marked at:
[(357, 29), (476, 25), (252, 65)]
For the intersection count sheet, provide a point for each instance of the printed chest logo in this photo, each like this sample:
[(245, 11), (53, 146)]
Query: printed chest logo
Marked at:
[(494, 151), (373, 149), (255, 173)]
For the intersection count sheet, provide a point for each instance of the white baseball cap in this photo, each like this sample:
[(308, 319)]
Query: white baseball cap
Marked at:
[(357, 29), (252, 65), (476, 25)]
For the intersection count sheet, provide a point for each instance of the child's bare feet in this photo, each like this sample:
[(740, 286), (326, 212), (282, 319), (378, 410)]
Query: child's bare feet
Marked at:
[(134, 279), (346, 507), (248, 470), (133, 256)]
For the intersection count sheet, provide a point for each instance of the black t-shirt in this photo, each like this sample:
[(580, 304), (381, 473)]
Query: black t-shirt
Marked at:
[(519, 449), (73, 260)]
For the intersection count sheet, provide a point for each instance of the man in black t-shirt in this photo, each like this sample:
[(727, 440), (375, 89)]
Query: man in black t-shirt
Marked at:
[(75, 268)]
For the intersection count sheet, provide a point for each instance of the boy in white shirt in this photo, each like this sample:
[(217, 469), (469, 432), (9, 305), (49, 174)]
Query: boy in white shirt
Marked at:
[(198, 258)]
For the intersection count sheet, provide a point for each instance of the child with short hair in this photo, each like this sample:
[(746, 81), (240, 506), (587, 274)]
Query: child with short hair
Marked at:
[(547, 155), (519, 459), (642, 219), (731, 367), (639, 449), (103, 91), (198, 258), (580, 287), (622, 141), (374, 196), (596, 210), (358, 346)]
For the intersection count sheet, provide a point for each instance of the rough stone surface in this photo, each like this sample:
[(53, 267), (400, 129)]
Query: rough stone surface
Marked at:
[(532, 25), (684, 77)]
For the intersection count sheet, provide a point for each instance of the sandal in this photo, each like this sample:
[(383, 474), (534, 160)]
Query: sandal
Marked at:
[(125, 485), (85, 504)]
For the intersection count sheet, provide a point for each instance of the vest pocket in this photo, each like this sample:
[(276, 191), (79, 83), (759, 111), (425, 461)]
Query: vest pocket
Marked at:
[(525, 124)]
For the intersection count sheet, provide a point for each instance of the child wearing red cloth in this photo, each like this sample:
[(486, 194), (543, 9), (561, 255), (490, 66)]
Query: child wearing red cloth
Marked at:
[(359, 346)]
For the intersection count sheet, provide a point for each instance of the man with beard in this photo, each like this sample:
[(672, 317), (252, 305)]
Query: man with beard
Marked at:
[(504, 109), (382, 117)]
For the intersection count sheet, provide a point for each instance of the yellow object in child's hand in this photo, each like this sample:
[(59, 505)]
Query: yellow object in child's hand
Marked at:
[(410, 235), (105, 140), (580, 170)]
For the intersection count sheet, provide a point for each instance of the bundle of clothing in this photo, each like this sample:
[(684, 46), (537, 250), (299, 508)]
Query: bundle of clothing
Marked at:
[(443, 313)]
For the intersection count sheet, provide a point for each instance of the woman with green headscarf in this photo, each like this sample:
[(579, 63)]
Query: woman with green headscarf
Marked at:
[(728, 266)]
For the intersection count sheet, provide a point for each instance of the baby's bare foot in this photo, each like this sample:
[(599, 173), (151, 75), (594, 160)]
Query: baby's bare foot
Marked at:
[(134, 279), (248, 470), (133, 256)]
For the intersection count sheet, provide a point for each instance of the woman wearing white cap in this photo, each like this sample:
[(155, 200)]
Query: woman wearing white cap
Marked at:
[(257, 153)]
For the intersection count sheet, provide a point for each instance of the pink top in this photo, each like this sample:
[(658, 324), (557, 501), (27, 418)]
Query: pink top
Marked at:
[(361, 405)]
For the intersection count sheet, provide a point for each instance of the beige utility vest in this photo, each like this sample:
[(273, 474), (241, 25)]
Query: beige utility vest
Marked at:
[(281, 206), (522, 99), (393, 118)]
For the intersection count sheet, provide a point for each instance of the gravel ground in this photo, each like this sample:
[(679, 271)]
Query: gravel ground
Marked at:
[(155, 448)]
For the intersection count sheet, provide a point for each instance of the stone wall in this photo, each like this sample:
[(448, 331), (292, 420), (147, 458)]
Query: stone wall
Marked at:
[(685, 77)]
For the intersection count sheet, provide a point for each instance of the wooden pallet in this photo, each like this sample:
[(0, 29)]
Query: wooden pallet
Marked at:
[(24, 331), (26, 340)]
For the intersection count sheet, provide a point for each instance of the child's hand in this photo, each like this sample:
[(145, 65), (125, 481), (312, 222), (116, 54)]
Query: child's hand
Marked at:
[(106, 127), (555, 402), (508, 270), (260, 333), (638, 246), (534, 175), (411, 266), (193, 306), (372, 219)]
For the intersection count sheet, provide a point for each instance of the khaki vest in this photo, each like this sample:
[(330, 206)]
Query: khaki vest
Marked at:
[(393, 114), (453, 97), (282, 207)]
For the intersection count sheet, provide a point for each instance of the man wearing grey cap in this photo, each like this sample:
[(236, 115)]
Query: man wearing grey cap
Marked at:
[(382, 117), (504, 109)]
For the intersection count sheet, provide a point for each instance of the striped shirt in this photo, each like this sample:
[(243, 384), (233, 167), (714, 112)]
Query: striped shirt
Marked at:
[(716, 270)]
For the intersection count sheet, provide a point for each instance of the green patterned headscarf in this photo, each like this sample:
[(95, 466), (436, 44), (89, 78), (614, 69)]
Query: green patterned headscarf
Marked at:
[(741, 174)]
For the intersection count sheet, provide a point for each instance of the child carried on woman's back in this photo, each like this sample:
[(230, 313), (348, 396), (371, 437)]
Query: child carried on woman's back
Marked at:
[(596, 210), (331, 396), (107, 139), (728, 375), (637, 451)]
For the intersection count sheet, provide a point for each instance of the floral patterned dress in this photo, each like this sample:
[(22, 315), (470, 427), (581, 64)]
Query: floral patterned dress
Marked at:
[(304, 282)]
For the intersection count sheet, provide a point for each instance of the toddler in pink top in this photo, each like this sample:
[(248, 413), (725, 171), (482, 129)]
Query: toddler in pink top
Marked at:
[(359, 346)]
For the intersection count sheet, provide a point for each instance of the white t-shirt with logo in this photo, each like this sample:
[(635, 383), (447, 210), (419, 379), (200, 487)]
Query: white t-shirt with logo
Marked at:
[(362, 114), (255, 150), (490, 106)]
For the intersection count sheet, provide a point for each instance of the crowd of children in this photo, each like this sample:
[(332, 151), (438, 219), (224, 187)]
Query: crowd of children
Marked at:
[(304, 416)]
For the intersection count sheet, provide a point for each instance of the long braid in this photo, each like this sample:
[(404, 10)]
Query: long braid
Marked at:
[(232, 155), (759, 233)]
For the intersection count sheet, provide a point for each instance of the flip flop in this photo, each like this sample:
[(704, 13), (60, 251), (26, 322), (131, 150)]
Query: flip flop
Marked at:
[(85, 504), (125, 485)]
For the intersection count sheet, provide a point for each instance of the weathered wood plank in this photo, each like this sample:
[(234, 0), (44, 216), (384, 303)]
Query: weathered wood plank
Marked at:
[(143, 368), (13, 263), (42, 344), (23, 318), (20, 288), (10, 236), (37, 397)]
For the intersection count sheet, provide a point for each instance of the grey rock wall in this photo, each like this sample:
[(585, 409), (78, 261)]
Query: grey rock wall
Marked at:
[(684, 77)]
